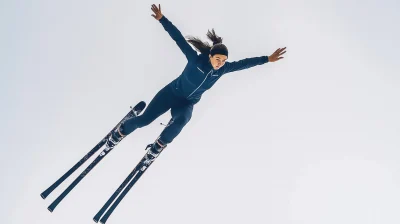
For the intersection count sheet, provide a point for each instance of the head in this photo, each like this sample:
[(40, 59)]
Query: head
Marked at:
[(217, 53)]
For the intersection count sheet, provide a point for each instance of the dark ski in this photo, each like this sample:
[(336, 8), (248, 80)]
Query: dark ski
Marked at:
[(132, 178), (135, 111)]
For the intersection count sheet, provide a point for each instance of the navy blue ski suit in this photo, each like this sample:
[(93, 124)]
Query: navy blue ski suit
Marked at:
[(186, 90)]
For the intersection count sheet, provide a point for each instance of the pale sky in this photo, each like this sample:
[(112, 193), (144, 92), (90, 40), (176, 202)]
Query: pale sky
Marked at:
[(313, 138)]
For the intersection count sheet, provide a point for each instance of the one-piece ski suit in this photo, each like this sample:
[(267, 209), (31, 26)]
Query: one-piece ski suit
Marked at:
[(186, 90)]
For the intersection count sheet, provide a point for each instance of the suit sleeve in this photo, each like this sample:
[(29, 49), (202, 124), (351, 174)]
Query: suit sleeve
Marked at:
[(244, 64), (176, 35)]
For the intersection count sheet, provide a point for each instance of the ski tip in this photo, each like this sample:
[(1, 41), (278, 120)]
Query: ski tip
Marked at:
[(51, 210), (95, 220), (41, 195)]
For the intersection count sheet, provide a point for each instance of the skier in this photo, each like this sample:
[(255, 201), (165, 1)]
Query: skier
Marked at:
[(200, 74)]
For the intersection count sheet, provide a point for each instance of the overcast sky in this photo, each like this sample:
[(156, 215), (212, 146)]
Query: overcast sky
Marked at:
[(313, 138)]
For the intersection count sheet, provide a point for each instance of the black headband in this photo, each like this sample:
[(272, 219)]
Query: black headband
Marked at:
[(219, 49)]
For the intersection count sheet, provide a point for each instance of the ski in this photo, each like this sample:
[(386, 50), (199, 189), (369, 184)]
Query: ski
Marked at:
[(97, 217), (132, 178), (135, 111)]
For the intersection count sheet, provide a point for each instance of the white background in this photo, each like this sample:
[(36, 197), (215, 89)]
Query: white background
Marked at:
[(313, 138)]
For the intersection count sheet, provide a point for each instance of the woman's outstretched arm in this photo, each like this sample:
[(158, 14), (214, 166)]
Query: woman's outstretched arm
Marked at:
[(176, 35), (251, 62)]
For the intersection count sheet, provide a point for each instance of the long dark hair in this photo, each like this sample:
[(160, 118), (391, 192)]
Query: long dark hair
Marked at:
[(205, 47)]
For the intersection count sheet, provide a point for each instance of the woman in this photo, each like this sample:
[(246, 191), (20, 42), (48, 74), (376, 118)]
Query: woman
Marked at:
[(199, 75)]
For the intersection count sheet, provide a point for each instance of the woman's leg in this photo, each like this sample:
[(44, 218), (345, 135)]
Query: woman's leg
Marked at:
[(181, 115), (161, 103)]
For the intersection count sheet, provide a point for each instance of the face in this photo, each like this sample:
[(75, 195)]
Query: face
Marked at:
[(218, 60)]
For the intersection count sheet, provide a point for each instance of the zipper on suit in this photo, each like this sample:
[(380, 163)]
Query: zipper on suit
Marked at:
[(200, 83)]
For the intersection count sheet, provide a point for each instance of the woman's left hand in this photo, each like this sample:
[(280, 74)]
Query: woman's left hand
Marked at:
[(276, 56)]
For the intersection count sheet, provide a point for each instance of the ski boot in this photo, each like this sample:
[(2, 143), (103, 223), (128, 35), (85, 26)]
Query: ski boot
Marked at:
[(115, 137), (153, 152)]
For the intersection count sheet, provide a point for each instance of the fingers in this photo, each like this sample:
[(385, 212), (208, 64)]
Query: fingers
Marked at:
[(155, 9), (280, 51)]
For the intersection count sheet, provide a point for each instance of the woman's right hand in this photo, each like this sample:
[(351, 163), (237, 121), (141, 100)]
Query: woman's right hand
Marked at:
[(157, 11)]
